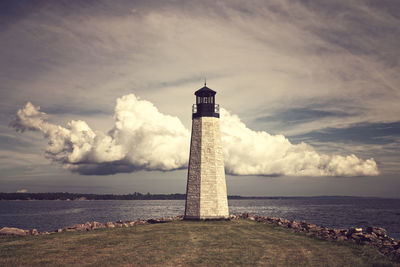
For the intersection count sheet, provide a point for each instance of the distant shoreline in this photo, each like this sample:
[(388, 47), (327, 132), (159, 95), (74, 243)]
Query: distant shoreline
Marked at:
[(65, 196)]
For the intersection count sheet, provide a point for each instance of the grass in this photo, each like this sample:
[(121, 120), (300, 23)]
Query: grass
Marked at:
[(186, 243)]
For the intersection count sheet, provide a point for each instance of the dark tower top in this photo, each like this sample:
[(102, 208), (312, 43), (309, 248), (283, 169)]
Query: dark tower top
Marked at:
[(205, 103)]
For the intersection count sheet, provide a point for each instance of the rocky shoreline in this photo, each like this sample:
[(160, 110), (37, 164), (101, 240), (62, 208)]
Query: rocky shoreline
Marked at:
[(372, 236)]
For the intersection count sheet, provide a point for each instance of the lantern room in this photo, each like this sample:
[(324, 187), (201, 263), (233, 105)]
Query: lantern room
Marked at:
[(205, 103)]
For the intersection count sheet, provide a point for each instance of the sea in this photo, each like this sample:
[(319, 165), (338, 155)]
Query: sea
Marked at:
[(333, 212)]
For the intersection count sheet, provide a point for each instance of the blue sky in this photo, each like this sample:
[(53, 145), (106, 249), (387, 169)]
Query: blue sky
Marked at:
[(322, 73)]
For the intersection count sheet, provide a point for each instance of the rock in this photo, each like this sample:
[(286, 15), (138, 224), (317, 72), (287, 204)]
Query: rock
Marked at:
[(354, 231), (311, 227), (97, 225), (387, 244), (12, 231), (341, 238), (350, 232), (77, 227), (295, 225), (333, 233), (376, 230), (356, 236), (178, 218), (34, 232), (262, 219), (59, 230), (110, 225), (369, 237), (246, 215)]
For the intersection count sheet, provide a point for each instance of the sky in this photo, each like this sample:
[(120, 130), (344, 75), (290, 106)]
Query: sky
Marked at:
[(96, 96)]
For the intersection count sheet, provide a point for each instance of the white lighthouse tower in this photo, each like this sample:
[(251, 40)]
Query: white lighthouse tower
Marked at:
[(206, 196)]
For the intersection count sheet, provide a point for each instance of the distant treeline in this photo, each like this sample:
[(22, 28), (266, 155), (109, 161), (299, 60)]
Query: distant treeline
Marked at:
[(134, 196), (79, 196)]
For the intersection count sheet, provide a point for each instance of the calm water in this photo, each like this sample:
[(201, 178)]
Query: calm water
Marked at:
[(332, 212)]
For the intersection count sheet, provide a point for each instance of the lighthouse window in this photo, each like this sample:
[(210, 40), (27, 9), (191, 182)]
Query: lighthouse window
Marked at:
[(211, 100), (205, 99)]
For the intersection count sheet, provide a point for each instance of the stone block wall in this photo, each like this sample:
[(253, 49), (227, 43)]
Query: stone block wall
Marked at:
[(206, 187)]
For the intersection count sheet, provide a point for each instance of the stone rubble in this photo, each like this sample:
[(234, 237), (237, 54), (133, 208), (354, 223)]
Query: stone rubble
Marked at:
[(373, 236)]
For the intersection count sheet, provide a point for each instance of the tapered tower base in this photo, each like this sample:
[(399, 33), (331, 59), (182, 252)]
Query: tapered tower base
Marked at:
[(206, 196)]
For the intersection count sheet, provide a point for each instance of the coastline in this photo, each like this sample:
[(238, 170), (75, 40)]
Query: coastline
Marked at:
[(372, 236)]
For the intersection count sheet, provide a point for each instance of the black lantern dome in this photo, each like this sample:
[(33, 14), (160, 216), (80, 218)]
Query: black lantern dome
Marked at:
[(205, 103)]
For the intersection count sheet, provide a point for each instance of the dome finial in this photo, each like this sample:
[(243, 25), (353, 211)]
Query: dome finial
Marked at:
[(205, 81)]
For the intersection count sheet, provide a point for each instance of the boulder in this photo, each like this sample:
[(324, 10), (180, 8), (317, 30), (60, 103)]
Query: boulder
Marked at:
[(369, 237), (97, 225), (12, 231), (261, 219), (354, 231), (34, 232), (357, 236), (178, 218), (376, 230), (334, 233), (88, 226), (110, 225), (312, 227), (295, 225), (246, 215), (77, 227)]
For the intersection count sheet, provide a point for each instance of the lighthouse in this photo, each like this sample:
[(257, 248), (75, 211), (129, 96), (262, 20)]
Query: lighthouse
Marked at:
[(206, 196)]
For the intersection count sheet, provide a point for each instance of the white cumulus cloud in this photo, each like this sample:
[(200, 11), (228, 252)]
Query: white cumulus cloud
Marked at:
[(249, 152), (144, 138)]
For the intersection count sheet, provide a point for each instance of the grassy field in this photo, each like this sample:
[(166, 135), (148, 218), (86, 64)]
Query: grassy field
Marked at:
[(185, 243)]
